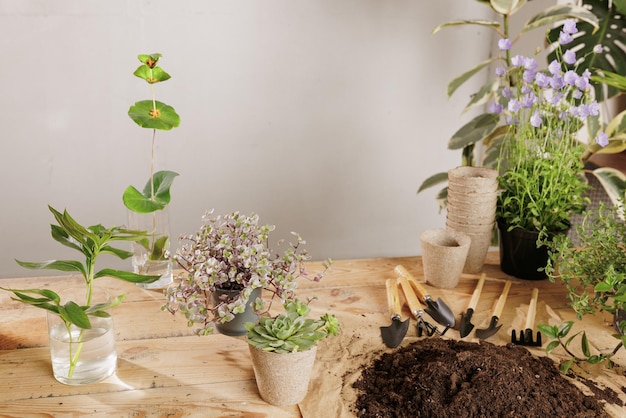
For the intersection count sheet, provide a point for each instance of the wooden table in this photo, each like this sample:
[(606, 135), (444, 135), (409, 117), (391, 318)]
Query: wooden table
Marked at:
[(165, 370)]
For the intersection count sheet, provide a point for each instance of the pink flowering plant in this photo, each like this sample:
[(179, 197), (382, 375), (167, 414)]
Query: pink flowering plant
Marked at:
[(541, 158), (232, 252)]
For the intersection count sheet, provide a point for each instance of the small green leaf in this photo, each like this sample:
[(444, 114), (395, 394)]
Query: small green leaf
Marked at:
[(474, 131), (550, 348), (566, 366), (164, 117), (127, 276), (584, 345), (159, 247), (145, 202), (558, 13), (565, 328), (549, 331), (118, 252), (507, 7), (434, 180), (151, 75), (61, 265), (460, 80), (486, 23), (71, 312)]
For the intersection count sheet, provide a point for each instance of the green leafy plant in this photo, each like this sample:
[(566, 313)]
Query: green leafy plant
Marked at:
[(91, 242), (594, 273), (232, 252), (600, 30), (155, 115), (291, 331)]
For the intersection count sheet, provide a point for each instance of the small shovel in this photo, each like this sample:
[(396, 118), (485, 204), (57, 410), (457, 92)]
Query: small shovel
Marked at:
[(416, 309), (526, 336), (394, 333), (439, 311), (493, 325), (465, 325)]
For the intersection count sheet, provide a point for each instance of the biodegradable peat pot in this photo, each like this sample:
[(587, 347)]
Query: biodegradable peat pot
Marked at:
[(473, 179), (282, 378), (444, 252)]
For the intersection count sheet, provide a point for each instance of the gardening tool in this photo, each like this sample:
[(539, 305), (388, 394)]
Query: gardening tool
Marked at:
[(526, 336), (438, 310), (416, 309), (394, 333), (465, 324), (493, 324)]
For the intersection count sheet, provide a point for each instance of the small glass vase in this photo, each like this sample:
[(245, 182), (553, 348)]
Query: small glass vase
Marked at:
[(149, 256), (82, 356)]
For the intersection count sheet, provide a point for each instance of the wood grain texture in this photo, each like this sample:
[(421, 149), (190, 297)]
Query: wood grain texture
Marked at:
[(164, 370)]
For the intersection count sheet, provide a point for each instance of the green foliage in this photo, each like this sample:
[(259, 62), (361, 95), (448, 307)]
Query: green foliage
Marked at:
[(291, 331), (594, 273), (600, 23), (90, 242), (155, 195), (155, 115)]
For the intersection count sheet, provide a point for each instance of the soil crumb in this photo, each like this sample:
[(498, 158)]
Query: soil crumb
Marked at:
[(436, 377)]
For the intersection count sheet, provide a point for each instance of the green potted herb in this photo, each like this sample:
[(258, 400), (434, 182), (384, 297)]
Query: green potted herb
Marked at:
[(147, 209), (227, 265), (594, 273), (82, 341), (283, 350)]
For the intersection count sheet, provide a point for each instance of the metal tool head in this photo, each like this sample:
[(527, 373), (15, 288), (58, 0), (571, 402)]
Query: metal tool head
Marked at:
[(526, 338), (394, 334), (465, 324), (485, 333), (427, 328), (440, 312)]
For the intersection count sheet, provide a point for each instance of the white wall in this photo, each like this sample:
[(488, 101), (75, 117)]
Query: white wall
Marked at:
[(322, 116)]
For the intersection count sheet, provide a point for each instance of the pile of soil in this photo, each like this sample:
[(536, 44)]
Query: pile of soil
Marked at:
[(435, 377)]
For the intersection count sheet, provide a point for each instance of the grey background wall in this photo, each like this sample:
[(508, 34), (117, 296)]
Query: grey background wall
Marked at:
[(322, 116)]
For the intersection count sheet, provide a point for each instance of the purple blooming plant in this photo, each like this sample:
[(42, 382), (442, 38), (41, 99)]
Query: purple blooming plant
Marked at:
[(541, 159), (232, 252)]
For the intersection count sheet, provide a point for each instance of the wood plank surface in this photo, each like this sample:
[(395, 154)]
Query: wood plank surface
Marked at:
[(165, 370)]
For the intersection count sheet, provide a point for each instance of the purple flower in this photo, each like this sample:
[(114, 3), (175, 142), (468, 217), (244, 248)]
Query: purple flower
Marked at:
[(569, 26), (602, 139), (554, 67), (507, 93), (570, 77), (514, 106), (569, 57), (557, 82), (597, 49), (517, 61), (504, 44), (500, 71), (535, 119), (530, 64), (577, 94), (541, 79), (528, 76), (529, 100), (496, 108), (565, 38)]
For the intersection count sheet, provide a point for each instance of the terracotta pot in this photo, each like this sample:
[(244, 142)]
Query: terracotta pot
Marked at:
[(443, 256), (282, 378)]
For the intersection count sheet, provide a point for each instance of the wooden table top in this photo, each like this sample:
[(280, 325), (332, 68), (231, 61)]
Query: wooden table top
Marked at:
[(166, 370)]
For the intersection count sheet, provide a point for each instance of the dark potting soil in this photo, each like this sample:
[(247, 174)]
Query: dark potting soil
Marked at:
[(435, 377)]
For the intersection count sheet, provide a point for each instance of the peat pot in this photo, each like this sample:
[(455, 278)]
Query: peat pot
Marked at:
[(444, 253), (236, 327), (82, 356), (282, 378)]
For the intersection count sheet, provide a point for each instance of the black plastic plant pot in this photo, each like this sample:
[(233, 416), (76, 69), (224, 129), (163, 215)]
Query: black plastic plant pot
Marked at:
[(519, 255)]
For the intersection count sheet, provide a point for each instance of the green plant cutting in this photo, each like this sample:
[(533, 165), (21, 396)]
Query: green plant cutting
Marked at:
[(155, 115), (91, 242), (594, 273), (291, 331)]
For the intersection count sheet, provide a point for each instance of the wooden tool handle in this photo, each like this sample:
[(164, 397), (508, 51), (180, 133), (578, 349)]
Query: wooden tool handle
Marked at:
[(393, 297), (409, 295), (476, 295), (532, 309), (500, 305), (419, 289)]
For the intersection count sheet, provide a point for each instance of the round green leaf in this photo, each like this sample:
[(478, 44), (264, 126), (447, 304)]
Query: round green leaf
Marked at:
[(164, 118)]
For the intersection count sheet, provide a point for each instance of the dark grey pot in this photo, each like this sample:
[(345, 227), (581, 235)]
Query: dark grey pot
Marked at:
[(236, 327)]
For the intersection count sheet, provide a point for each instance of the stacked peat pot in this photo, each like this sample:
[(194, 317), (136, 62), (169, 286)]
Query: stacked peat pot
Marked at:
[(471, 209)]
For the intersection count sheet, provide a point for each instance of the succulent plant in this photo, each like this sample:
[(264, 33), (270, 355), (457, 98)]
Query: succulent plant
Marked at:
[(291, 331)]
